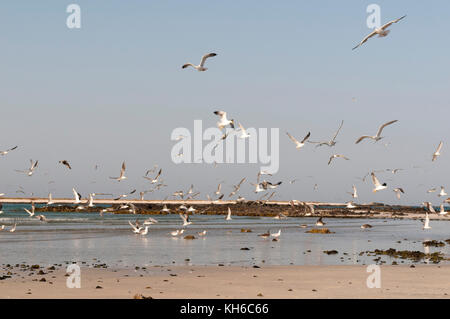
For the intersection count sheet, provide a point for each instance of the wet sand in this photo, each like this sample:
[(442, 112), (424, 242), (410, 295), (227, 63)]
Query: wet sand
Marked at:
[(422, 281)]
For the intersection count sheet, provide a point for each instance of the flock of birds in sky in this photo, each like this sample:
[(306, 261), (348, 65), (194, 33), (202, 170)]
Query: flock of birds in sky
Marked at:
[(260, 186)]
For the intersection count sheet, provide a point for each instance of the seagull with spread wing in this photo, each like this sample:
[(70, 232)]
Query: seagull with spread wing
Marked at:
[(377, 184), (331, 142), (122, 174), (378, 136), (223, 121), (381, 31), (438, 151), (299, 145), (200, 67), (3, 153), (337, 156), (29, 171)]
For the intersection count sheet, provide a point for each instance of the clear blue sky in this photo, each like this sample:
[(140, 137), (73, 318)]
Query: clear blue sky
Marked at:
[(114, 90)]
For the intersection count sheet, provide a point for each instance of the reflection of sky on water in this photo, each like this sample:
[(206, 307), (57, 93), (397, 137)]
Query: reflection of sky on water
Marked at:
[(83, 237)]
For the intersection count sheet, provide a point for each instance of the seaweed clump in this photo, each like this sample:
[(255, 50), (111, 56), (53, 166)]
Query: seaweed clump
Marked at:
[(433, 243), (320, 231), (415, 256)]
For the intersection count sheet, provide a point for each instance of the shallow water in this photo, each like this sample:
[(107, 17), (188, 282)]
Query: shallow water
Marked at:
[(78, 237)]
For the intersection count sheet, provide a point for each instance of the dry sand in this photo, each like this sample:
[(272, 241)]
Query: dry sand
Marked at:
[(423, 281)]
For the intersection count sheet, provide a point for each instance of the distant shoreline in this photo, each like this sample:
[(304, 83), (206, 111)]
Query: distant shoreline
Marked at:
[(239, 208)]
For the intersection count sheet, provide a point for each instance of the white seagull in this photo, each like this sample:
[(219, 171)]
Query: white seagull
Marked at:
[(377, 184), (229, 214), (442, 211), (154, 180), (355, 192), (381, 31), (177, 232), (29, 171), (429, 207), (426, 224), (276, 235), (32, 210), (299, 145), (13, 229), (76, 196), (223, 121), (438, 151), (442, 193), (3, 153), (185, 218), (50, 200), (398, 191), (378, 136), (244, 133), (122, 174), (200, 67)]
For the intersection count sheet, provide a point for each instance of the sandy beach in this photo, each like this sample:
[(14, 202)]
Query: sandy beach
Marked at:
[(420, 281)]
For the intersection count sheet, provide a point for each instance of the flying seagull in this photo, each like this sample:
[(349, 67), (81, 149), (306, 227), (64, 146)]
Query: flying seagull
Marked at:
[(65, 163), (3, 153), (30, 171), (378, 136), (377, 184), (154, 180), (438, 151), (331, 142), (337, 156), (398, 191), (122, 174), (429, 207), (381, 31), (244, 133), (299, 145), (355, 192), (32, 210), (442, 193), (200, 67), (223, 121)]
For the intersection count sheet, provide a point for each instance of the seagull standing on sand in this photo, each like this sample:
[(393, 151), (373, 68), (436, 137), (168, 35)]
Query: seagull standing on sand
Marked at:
[(13, 229), (378, 136), (438, 151), (223, 121), (381, 31), (276, 235), (299, 145), (200, 67), (177, 232), (377, 184), (122, 174)]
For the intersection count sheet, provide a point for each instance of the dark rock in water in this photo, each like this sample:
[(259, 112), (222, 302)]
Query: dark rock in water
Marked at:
[(99, 287), (189, 237), (41, 272), (43, 279), (254, 266), (320, 231), (330, 252), (35, 267), (433, 243), (245, 248), (246, 230), (51, 268)]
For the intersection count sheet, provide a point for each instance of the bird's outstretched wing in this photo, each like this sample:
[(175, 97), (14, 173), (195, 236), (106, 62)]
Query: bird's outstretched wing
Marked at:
[(391, 22), (375, 180), (337, 132), (365, 39), (361, 138), (306, 137), (384, 125), (209, 55)]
